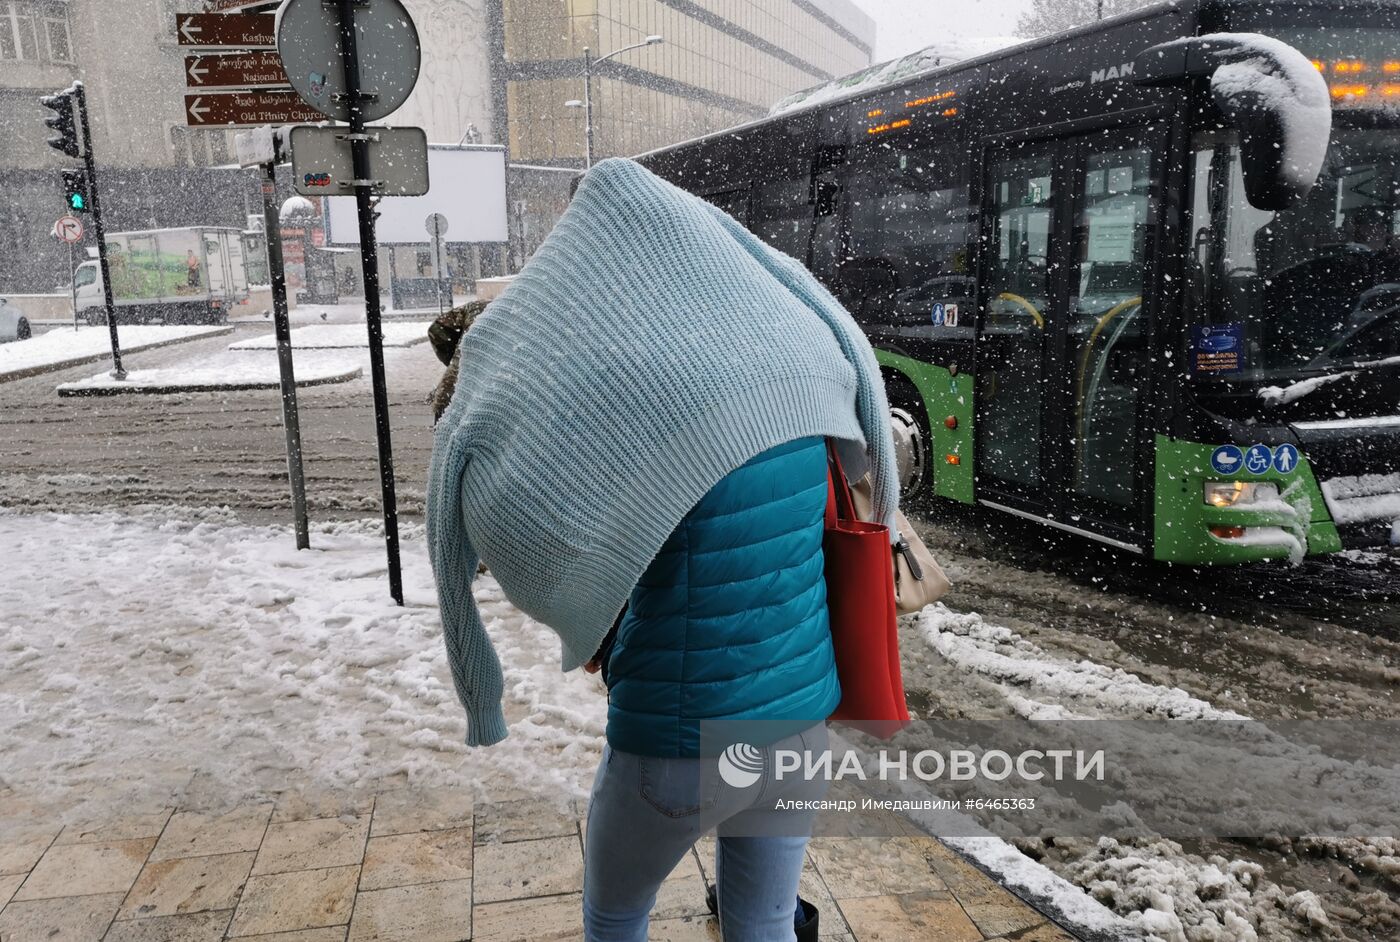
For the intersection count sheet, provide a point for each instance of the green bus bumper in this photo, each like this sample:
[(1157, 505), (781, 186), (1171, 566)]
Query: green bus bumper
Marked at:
[(1182, 518)]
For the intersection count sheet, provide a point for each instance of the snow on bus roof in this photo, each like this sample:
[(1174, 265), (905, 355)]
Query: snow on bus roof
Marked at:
[(896, 70)]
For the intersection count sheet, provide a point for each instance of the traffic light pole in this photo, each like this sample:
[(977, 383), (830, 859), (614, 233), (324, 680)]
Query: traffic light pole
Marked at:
[(369, 260), (98, 231), (291, 421)]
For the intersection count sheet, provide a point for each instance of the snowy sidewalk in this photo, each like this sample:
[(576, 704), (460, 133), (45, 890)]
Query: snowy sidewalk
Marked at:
[(431, 866), (61, 347), (212, 734)]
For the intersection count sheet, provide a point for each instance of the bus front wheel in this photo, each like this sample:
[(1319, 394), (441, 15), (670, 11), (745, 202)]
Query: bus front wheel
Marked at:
[(912, 440)]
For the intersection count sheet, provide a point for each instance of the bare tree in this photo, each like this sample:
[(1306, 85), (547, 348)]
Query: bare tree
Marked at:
[(1053, 16)]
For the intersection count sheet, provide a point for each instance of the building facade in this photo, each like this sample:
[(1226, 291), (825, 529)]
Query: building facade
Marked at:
[(721, 62), (493, 71)]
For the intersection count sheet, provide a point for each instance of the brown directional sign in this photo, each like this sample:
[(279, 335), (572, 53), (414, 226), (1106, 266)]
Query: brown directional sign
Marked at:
[(252, 69), (247, 109), (229, 6), (226, 30)]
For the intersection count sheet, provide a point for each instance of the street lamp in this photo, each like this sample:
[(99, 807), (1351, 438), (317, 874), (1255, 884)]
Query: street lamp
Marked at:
[(587, 103)]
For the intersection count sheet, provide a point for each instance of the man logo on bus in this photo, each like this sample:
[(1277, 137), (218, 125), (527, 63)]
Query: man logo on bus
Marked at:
[(1111, 74), (1285, 458)]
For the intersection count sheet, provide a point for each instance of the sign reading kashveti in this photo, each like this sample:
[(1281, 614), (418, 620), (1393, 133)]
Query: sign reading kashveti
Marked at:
[(247, 109), (227, 30), (256, 68)]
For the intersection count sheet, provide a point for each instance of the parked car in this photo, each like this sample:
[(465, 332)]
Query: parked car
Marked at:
[(13, 324)]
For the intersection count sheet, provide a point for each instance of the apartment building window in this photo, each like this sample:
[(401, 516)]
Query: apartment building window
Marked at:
[(18, 38), (56, 32), (28, 29)]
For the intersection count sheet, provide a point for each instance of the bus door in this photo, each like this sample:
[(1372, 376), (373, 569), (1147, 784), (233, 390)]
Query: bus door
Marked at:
[(1064, 362)]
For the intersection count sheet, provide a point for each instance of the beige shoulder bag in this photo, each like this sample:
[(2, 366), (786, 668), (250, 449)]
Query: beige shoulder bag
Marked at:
[(918, 579)]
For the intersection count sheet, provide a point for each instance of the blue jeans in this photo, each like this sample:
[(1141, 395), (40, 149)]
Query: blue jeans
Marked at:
[(646, 813)]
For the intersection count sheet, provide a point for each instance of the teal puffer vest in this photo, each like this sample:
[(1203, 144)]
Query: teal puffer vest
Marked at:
[(730, 620)]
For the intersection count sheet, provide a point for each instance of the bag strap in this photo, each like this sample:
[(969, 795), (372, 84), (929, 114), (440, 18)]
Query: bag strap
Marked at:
[(839, 490)]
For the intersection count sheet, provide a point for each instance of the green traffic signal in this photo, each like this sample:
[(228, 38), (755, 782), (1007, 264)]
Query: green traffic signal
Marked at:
[(75, 190)]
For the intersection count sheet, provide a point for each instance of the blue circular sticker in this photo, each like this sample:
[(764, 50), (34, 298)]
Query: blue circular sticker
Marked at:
[(1227, 459), (1258, 459), (1285, 459)]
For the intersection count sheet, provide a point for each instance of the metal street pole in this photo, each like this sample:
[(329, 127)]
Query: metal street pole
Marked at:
[(282, 324), (369, 259), (73, 285), (437, 258), (99, 232), (588, 108)]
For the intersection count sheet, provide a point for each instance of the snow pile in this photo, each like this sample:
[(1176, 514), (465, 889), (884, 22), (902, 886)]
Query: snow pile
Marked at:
[(341, 336), (215, 374), (1177, 897), (62, 347), (138, 650), (896, 70), (1040, 686), (1363, 498)]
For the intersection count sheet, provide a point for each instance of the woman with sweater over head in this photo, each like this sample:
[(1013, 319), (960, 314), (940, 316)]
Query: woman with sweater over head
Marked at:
[(637, 448)]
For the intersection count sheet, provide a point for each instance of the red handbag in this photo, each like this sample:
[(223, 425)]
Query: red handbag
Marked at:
[(861, 602)]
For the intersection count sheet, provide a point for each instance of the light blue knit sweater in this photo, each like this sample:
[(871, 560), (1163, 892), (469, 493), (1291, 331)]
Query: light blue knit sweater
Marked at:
[(651, 346)]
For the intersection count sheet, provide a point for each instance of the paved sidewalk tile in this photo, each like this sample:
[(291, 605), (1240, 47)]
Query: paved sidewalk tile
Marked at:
[(70, 919), (8, 885), (403, 810), (303, 805), (196, 927), (427, 912), (196, 834), (874, 866), (302, 899), (86, 869), (187, 885), (528, 868), (995, 911), (317, 843), (328, 934), (420, 857), (20, 852), (523, 820), (128, 827), (550, 919), (909, 916)]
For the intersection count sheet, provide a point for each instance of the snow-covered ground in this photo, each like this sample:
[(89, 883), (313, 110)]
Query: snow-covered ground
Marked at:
[(341, 336), (216, 373), (138, 648), (62, 347)]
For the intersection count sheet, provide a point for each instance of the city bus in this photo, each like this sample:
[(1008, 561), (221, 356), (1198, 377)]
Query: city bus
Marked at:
[(1096, 304)]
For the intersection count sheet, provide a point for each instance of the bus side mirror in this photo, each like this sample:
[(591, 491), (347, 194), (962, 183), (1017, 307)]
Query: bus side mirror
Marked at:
[(1268, 91)]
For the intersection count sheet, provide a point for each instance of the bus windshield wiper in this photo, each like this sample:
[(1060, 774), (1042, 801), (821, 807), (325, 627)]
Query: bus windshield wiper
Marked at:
[(1283, 395)]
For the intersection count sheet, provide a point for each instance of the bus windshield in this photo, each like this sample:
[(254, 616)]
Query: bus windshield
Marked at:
[(1315, 289)]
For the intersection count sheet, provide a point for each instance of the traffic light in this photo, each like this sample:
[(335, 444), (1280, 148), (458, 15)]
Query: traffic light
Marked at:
[(64, 120), (75, 190)]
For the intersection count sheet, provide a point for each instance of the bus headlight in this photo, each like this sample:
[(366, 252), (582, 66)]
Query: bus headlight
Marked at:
[(1239, 493)]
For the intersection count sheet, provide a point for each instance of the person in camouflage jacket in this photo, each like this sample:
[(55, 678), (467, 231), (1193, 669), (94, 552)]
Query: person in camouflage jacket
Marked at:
[(445, 334)]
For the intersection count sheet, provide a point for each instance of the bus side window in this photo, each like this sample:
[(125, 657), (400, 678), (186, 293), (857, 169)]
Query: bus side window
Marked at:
[(912, 228), (782, 215)]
